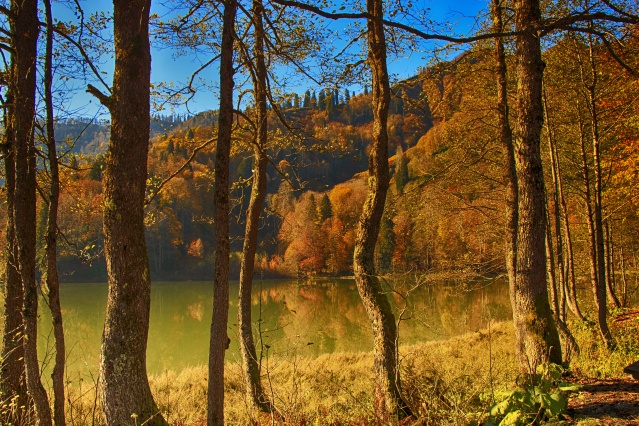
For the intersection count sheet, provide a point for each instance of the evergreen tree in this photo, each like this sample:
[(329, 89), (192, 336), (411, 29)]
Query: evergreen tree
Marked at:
[(311, 210), (313, 100), (321, 100), (401, 170), (347, 96), (325, 209), (296, 103), (307, 99), (335, 97), (386, 243)]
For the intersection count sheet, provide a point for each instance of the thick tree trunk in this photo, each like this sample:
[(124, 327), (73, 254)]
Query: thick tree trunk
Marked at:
[(126, 396), (24, 27), (51, 250), (13, 383), (388, 399), (219, 337), (506, 141), (251, 368), (535, 329)]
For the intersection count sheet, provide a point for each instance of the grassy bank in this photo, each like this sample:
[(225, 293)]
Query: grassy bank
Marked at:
[(450, 382)]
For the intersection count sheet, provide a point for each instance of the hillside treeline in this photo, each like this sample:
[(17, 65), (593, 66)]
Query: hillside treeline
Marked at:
[(447, 200)]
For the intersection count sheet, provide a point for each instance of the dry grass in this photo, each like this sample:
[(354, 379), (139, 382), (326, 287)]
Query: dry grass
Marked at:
[(446, 382)]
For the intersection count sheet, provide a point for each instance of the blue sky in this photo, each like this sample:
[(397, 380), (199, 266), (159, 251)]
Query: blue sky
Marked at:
[(166, 67)]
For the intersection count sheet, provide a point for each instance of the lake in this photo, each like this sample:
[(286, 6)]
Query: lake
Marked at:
[(310, 318)]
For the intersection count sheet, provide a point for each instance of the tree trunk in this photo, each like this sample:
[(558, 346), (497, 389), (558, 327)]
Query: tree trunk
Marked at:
[(388, 399), (569, 344), (126, 396), (219, 337), (506, 140), (535, 330), (610, 268), (24, 27), (251, 367), (51, 250), (12, 380), (566, 263), (598, 289)]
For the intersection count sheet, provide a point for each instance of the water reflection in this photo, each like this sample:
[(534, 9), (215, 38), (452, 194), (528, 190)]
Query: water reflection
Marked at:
[(311, 318)]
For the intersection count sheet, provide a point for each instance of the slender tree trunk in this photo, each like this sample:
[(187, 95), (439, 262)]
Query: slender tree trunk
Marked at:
[(388, 399), (251, 368), (566, 263), (219, 337), (51, 250), (598, 288), (13, 383), (506, 140), (610, 268), (598, 208), (569, 344), (126, 396), (24, 27), (535, 330)]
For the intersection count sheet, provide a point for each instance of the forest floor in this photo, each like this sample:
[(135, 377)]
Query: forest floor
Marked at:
[(605, 402)]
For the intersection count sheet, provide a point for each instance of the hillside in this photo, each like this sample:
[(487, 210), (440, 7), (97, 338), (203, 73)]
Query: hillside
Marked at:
[(446, 204)]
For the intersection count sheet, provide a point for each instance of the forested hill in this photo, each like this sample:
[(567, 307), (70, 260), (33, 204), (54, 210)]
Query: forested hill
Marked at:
[(90, 136), (446, 204)]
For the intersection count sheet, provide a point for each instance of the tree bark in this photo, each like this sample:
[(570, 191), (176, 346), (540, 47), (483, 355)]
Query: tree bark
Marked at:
[(535, 330), (598, 215), (126, 396), (219, 337), (610, 268), (51, 249), (598, 286), (12, 380), (388, 399), (25, 29), (251, 368), (566, 263), (506, 140)]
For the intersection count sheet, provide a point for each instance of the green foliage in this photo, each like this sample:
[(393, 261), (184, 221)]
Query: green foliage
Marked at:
[(325, 209), (401, 171), (386, 243), (97, 167), (538, 397)]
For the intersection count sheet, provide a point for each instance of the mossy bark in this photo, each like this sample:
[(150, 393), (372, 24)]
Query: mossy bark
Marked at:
[(388, 399), (535, 330), (126, 396)]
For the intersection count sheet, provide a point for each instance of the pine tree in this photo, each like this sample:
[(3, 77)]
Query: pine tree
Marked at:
[(325, 209), (386, 243), (321, 100), (401, 170), (307, 99), (347, 96)]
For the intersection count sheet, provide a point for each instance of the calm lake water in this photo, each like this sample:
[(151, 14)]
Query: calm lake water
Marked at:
[(310, 318)]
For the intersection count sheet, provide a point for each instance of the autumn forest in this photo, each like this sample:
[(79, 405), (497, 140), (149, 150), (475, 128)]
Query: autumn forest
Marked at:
[(512, 153)]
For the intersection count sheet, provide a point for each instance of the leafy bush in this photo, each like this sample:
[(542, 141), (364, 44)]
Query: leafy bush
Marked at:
[(538, 397)]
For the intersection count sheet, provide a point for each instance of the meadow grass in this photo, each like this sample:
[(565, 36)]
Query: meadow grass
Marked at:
[(448, 382)]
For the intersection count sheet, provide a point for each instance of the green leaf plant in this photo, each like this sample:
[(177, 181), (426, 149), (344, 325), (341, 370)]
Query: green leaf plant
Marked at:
[(538, 398)]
